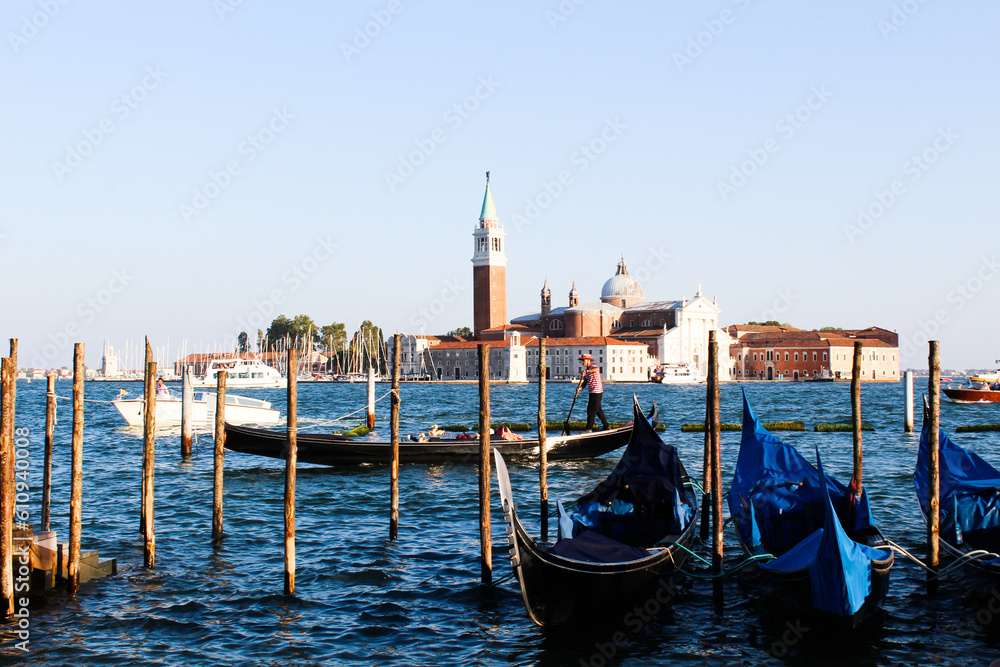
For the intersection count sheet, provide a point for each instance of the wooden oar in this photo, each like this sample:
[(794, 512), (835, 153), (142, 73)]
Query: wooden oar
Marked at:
[(571, 405)]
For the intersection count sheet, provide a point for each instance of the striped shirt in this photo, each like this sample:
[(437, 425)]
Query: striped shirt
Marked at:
[(592, 378)]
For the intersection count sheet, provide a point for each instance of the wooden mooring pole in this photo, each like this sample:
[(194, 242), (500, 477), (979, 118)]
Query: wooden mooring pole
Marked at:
[(145, 407), (486, 551), (908, 402), (934, 468), (187, 411), (706, 467), (716, 437), (50, 425), (394, 440), (76, 475), (856, 415), (7, 379), (291, 459), (543, 454), (149, 466), (220, 454), (371, 397)]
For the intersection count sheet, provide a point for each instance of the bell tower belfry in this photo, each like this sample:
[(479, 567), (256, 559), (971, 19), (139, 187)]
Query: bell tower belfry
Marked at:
[(489, 277)]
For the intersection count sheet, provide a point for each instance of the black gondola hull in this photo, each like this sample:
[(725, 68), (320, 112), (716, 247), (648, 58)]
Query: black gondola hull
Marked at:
[(328, 449), (558, 590)]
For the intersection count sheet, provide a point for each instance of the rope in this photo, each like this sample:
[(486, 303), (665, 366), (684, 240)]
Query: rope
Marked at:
[(978, 554), (86, 400), (722, 575), (330, 421)]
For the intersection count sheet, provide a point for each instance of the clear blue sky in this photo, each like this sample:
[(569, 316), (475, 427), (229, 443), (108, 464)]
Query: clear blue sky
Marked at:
[(739, 138)]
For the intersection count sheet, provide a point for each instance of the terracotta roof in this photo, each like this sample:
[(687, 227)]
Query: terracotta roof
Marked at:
[(757, 328), (508, 327), (771, 340)]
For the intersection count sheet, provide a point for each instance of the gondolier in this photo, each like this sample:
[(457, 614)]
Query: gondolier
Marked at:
[(592, 380)]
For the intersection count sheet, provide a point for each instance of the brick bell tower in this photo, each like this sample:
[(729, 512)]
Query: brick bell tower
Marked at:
[(489, 277)]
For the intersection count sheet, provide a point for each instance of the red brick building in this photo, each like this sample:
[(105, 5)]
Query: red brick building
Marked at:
[(773, 353)]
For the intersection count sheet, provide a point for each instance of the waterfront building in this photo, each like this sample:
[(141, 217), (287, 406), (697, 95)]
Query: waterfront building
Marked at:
[(515, 359), (787, 353)]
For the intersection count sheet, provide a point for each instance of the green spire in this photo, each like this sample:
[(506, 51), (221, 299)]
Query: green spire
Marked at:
[(489, 211)]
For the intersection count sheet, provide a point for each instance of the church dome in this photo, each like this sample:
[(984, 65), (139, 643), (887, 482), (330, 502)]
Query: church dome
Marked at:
[(622, 289)]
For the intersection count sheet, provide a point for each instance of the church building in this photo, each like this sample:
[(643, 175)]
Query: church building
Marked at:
[(627, 335)]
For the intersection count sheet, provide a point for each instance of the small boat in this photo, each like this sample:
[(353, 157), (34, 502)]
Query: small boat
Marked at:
[(622, 543), (676, 374), (332, 449), (243, 373), (239, 410), (976, 390), (830, 559), (969, 500)]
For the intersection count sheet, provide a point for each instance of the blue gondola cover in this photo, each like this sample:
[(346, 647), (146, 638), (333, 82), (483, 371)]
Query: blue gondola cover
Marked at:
[(779, 501), (970, 493)]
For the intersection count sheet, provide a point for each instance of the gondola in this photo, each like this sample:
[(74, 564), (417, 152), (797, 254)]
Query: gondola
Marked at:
[(332, 449), (619, 547), (969, 526), (831, 562)]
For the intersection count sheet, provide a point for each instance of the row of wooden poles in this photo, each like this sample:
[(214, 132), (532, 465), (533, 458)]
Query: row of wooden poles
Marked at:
[(712, 500)]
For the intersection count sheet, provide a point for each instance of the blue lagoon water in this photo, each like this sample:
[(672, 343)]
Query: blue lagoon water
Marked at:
[(417, 601)]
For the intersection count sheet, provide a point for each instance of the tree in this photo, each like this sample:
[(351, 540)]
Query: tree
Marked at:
[(769, 323), (294, 330), (242, 343), (830, 329), (464, 332), (334, 336)]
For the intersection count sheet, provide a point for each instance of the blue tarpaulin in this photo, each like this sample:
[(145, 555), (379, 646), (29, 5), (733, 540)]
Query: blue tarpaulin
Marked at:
[(970, 493), (839, 567), (780, 502), (784, 489)]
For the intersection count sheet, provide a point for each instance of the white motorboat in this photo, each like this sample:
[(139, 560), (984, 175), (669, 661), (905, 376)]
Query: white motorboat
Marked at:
[(249, 373), (677, 374), (239, 410)]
